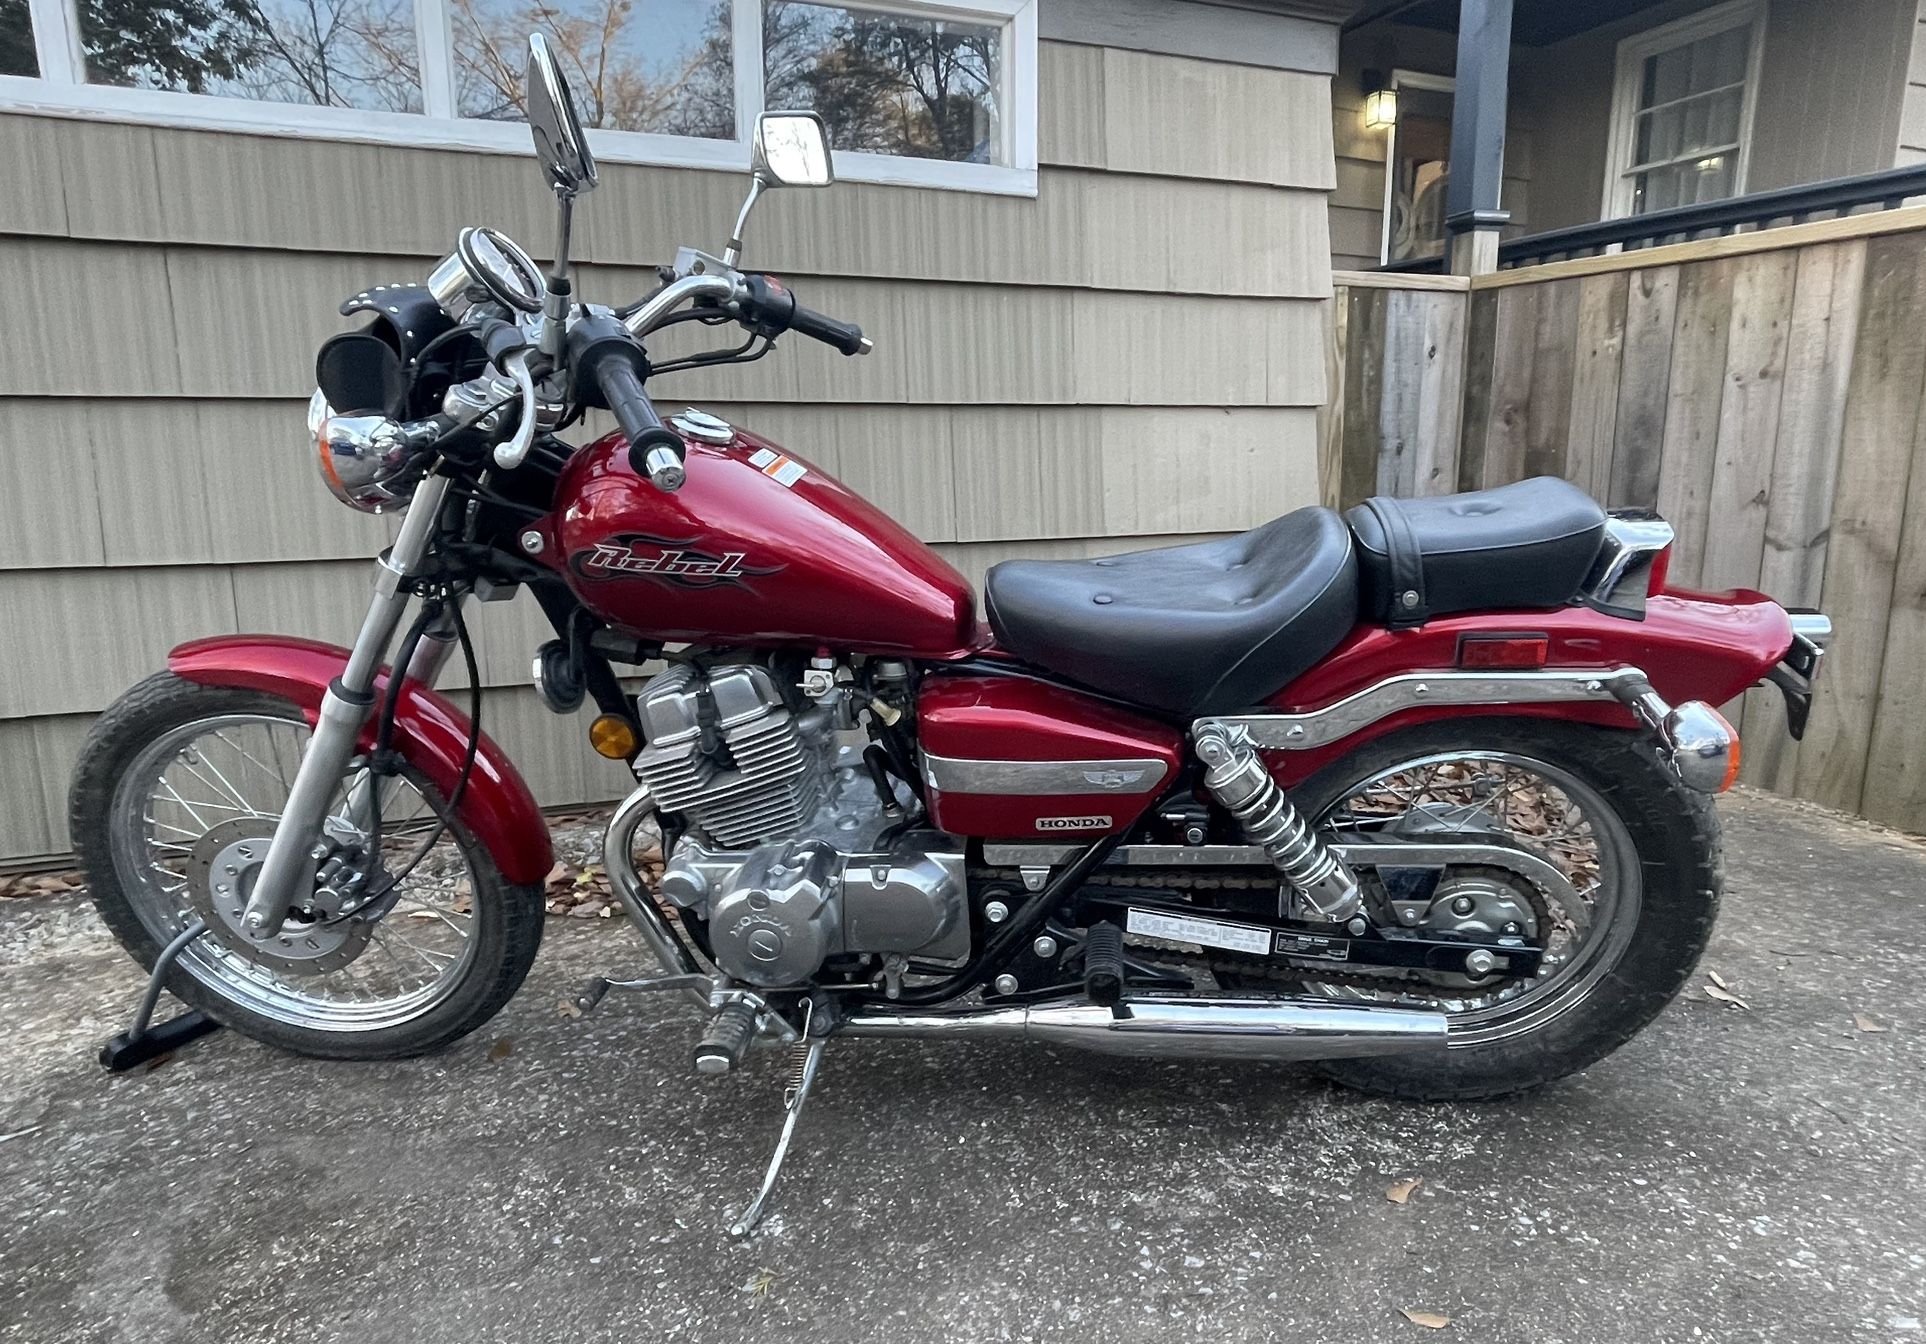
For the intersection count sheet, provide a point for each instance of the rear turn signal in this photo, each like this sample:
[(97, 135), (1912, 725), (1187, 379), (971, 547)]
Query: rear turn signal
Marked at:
[(613, 737), (1702, 745)]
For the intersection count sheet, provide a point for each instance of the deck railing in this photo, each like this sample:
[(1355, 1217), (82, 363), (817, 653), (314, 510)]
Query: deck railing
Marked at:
[(1687, 223)]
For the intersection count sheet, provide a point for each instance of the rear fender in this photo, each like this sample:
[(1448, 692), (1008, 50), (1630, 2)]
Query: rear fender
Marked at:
[(430, 734), (1691, 646)]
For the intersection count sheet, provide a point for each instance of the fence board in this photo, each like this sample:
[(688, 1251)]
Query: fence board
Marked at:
[(1441, 391), (1699, 340), (1805, 464), (1547, 418), (1876, 449), (1651, 308), (1600, 350), (1481, 343)]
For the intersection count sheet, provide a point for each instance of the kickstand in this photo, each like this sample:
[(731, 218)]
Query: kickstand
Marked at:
[(808, 1056), (140, 1044)]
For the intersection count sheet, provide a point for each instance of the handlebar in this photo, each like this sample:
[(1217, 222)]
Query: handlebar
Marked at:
[(606, 357), (769, 307)]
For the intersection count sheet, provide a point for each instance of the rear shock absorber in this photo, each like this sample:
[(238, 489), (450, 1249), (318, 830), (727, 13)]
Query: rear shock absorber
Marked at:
[(1236, 777)]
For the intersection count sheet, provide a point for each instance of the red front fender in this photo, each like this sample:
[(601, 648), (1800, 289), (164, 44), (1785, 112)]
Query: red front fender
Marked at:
[(430, 733)]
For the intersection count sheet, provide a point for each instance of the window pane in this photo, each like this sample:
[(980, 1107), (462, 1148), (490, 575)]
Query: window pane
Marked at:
[(1710, 178), (329, 53), (1723, 125), (887, 84), (1667, 76), (1659, 134), (634, 65), (16, 39), (1720, 60), (1420, 174)]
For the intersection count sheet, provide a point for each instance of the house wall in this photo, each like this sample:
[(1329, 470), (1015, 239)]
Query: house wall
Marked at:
[(1036, 360), (1830, 98), (1842, 83), (1357, 203)]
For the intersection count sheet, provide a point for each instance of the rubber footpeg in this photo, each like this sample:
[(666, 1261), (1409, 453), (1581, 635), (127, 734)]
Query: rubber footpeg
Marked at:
[(721, 1048), (1103, 964)]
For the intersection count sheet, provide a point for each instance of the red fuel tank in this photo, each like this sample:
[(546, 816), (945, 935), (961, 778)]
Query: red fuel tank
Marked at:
[(758, 547), (1008, 758)]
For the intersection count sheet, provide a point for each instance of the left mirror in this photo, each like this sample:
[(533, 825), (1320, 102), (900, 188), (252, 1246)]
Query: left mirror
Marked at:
[(559, 141), (791, 149)]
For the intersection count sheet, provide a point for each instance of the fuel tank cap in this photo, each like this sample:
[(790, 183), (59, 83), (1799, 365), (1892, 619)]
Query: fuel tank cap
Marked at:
[(703, 427)]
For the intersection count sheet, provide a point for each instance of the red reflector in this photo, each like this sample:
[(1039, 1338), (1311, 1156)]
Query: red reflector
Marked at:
[(1504, 650)]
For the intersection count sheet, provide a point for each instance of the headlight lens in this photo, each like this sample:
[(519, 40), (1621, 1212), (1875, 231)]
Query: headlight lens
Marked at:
[(364, 458)]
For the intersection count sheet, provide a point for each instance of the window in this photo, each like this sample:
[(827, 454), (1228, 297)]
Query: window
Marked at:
[(1682, 111), (1417, 166), (913, 92)]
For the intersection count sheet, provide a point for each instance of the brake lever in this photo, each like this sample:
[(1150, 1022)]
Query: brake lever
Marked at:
[(509, 455)]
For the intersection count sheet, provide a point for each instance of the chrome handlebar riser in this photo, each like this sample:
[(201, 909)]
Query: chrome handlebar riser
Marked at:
[(674, 294)]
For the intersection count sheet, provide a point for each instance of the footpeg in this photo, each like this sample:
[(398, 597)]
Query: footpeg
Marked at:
[(722, 1045), (1103, 964)]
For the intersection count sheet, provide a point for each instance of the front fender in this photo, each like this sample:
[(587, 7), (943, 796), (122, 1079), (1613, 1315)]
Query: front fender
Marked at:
[(430, 733)]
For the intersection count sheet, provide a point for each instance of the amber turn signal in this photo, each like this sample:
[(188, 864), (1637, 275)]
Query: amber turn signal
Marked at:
[(612, 736)]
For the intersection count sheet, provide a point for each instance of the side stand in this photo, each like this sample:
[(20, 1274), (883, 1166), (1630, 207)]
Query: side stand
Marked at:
[(808, 1056), (141, 1043)]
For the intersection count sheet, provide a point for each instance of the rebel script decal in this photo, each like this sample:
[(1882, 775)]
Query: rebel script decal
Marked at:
[(683, 564)]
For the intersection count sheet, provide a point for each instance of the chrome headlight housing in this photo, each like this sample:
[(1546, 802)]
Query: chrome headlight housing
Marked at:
[(365, 459)]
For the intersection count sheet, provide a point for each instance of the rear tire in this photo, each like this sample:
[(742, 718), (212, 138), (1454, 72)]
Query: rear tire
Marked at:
[(506, 920), (1675, 834)]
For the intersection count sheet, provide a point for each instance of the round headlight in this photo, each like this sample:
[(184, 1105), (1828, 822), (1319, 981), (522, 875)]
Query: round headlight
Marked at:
[(364, 458)]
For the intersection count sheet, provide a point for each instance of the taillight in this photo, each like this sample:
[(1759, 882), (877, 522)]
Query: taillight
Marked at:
[(1503, 651)]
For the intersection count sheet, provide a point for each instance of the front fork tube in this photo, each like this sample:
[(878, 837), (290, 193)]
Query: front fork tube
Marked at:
[(287, 874)]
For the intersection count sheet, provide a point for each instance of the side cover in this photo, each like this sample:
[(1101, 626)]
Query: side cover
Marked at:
[(1007, 757), (430, 733)]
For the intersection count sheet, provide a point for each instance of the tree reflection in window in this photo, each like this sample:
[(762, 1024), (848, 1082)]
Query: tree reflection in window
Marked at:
[(634, 65), (887, 84), (16, 39), (328, 53)]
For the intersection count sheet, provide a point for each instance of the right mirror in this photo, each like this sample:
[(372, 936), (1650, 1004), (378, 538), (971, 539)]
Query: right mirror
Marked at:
[(791, 150)]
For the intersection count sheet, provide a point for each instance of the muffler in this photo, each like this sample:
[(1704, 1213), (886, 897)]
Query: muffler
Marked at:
[(1192, 1028)]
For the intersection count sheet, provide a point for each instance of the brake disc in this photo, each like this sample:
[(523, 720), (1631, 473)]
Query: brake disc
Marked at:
[(220, 874)]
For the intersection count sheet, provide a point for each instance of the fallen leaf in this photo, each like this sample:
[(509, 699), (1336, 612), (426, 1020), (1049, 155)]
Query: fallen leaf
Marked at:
[(569, 1009), (1865, 1023), (1400, 1191), (559, 873), (1726, 996), (501, 1049), (1717, 979), (606, 911), (760, 1283), (1430, 1320)]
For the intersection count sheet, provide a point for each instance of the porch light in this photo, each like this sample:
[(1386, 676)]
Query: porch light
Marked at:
[(1380, 103)]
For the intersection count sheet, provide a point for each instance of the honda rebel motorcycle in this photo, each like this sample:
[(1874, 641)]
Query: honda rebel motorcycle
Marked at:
[(1421, 792)]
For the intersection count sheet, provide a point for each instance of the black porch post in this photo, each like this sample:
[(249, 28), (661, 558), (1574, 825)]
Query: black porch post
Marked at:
[(1472, 216)]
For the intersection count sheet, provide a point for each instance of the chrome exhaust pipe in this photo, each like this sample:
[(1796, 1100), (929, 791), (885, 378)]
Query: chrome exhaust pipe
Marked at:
[(1193, 1028)]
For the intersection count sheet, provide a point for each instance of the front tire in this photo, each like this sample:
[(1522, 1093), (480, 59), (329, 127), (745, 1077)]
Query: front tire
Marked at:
[(1672, 874), (172, 757)]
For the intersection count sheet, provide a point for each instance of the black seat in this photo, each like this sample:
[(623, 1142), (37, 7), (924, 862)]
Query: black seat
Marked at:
[(1193, 630), (1531, 544)]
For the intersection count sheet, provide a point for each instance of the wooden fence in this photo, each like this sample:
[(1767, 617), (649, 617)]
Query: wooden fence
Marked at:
[(1763, 392)]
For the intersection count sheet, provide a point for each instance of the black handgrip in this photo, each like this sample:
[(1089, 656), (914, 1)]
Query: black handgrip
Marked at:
[(603, 354), (770, 309), (844, 336)]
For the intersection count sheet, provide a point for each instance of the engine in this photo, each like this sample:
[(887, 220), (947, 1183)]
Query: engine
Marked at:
[(784, 854)]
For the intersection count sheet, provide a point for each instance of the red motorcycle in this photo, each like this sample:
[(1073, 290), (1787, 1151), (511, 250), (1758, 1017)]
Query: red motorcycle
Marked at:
[(1421, 792)]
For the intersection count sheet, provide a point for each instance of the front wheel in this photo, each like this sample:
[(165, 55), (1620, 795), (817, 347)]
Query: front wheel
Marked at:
[(1621, 933), (177, 793)]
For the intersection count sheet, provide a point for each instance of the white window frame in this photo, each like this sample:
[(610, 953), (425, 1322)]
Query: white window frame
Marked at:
[(62, 90), (1400, 80), (1632, 55)]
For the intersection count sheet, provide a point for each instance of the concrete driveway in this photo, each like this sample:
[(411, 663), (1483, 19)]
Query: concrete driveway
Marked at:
[(1734, 1174)]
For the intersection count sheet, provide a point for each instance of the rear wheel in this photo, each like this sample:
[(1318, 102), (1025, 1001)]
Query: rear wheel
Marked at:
[(1622, 925), (177, 794)]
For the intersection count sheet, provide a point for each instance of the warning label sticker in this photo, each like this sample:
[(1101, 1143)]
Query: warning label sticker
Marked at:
[(1203, 932)]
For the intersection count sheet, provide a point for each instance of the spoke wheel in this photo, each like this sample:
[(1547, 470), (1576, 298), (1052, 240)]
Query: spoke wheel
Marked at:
[(178, 793)]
